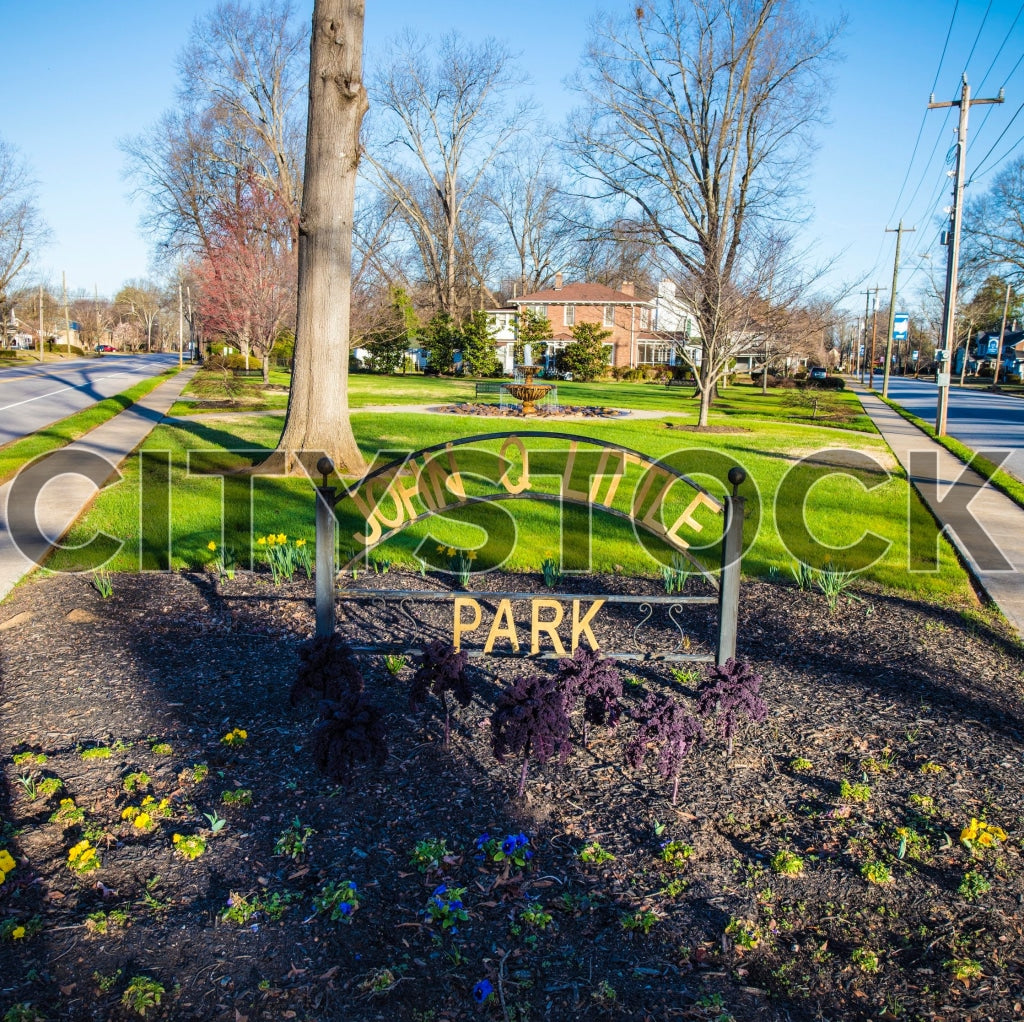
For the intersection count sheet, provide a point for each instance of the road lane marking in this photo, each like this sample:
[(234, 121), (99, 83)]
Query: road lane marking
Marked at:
[(60, 390)]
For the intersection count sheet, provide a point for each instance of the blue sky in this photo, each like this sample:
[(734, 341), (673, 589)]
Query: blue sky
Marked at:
[(78, 76)]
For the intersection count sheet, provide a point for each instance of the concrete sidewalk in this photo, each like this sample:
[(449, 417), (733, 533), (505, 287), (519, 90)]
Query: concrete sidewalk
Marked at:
[(986, 527), (49, 496)]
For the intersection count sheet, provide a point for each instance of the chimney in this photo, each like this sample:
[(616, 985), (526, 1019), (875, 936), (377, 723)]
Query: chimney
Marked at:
[(627, 288), (558, 281)]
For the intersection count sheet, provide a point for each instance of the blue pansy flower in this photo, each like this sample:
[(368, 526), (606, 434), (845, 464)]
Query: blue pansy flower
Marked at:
[(482, 991)]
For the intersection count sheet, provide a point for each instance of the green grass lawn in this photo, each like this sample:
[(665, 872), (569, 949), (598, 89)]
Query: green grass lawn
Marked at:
[(839, 510), (66, 431)]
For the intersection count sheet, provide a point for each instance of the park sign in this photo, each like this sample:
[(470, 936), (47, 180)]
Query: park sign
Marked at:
[(655, 503), (900, 326)]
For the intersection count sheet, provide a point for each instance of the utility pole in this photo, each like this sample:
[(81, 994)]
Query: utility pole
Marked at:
[(869, 358), (67, 320), (181, 341), (41, 322), (892, 303), (953, 254), (1002, 336), (874, 334), (863, 349)]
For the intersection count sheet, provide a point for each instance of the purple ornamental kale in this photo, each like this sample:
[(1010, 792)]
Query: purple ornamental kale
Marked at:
[(329, 670), (442, 670), (664, 722), (730, 694), (351, 730), (593, 678), (530, 720)]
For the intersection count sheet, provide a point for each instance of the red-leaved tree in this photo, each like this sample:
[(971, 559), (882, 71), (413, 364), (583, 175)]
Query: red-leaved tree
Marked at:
[(247, 277)]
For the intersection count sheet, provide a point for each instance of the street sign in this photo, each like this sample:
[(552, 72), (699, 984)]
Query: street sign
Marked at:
[(913, 356), (900, 326), (862, 349)]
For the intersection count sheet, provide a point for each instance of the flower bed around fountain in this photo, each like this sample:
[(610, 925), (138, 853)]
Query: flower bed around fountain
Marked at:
[(516, 412)]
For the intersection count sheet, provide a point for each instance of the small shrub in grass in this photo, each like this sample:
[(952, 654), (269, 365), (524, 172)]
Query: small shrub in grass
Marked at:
[(442, 670), (665, 725), (595, 680), (531, 721), (731, 694)]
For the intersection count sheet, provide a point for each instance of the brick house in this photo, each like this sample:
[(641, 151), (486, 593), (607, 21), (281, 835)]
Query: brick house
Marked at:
[(619, 311), (644, 331)]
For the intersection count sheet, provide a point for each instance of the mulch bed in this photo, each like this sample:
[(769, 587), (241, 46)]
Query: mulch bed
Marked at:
[(922, 705), (486, 408)]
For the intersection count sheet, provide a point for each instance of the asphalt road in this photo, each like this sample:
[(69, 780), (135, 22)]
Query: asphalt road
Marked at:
[(982, 420), (33, 397)]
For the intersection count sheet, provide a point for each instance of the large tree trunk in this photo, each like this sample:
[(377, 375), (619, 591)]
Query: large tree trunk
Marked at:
[(318, 417)]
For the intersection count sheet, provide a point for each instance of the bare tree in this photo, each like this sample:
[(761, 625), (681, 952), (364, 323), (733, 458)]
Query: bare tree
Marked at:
[(141, 300), (994, 228), (21, 225), (696, 119), (438, 126), (318, 418), (540, 223), (241, 78)]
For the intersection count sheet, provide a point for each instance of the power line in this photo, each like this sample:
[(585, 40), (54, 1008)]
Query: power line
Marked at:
[(981, 163), (924, 116), (974, 45), (1002, 46)]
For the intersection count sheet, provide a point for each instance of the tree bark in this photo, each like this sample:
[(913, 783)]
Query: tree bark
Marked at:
[(318, 415)]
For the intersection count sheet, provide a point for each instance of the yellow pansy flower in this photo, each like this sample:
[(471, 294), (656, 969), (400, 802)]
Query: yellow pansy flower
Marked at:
[(18, 932), (6, 861), (211, 545)]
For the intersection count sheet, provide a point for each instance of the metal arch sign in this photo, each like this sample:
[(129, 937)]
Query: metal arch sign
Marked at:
[(469, 479), (463, 474)]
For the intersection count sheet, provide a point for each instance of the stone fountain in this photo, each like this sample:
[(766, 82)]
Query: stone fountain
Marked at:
[(528, 392)]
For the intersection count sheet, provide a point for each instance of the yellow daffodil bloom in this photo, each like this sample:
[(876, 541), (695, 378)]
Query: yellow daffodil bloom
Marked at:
[(282, 538), (300, 542), (261, 541), (211, 545)]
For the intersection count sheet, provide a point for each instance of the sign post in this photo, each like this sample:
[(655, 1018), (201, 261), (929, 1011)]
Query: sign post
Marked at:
[(900, 332)]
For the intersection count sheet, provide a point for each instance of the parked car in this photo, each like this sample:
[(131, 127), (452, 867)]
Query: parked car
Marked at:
[(818, 373), (104, 347)]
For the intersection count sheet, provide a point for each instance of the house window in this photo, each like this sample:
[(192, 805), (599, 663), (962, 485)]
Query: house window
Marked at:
[(655, 353), (538, 310), (645, 319), (609, 316), (570, 315)]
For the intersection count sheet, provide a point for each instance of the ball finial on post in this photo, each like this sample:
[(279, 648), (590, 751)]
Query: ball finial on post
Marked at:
[(736, 477)]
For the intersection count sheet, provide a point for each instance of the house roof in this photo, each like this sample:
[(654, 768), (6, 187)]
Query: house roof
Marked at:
[(579, 294)]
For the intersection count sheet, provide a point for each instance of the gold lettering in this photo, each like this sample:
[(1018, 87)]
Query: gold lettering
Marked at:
[(613, 485), (581, 626), (686, 518), (453, 484), (524, 479), (504, 612), (407, 487), (645, 488), (459, 627), (570, 463), (651, 518), (550, 627)]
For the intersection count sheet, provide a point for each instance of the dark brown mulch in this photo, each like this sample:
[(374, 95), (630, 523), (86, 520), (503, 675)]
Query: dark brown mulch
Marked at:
[(922, 705)]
